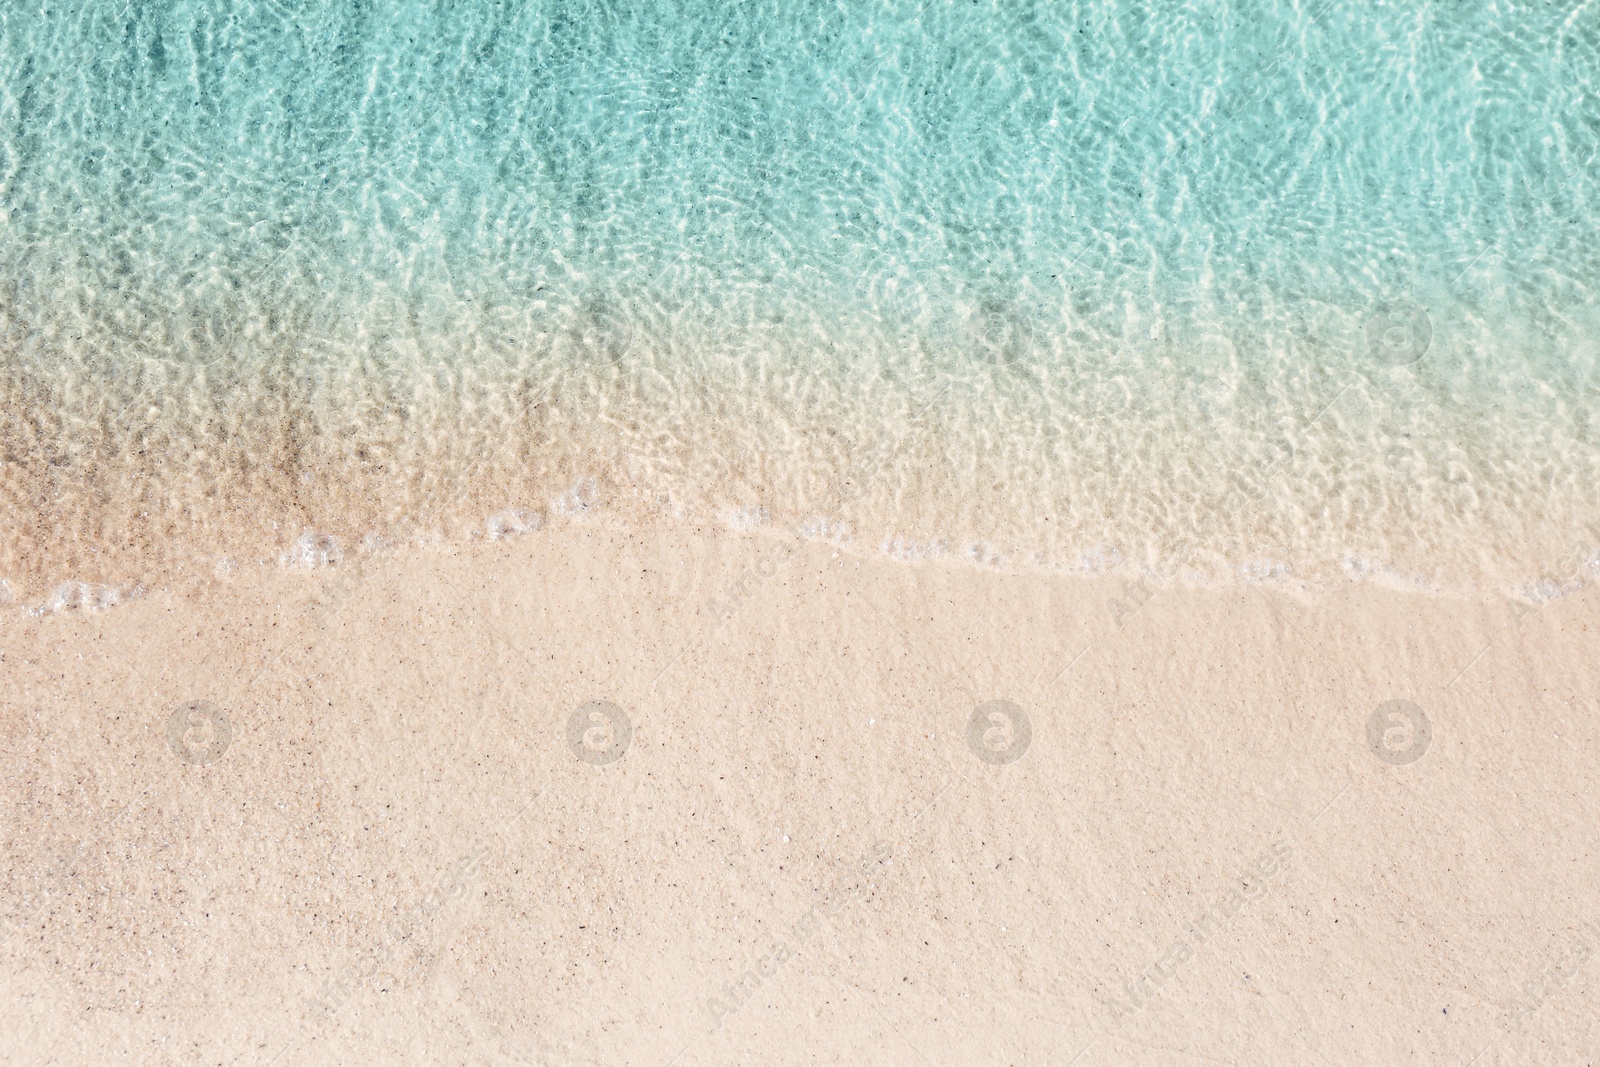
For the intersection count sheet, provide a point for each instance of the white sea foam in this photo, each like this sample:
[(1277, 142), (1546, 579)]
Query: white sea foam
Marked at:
[(511, 522), (85, 596), (312, 550), (911, 550), (823, 528), (747, 518), (584, 495)]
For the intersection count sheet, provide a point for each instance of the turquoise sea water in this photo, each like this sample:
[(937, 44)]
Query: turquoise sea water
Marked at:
[(1260, 289)]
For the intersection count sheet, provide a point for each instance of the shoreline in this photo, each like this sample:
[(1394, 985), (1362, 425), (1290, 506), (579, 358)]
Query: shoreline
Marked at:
[(313, 556), (1349, 467)]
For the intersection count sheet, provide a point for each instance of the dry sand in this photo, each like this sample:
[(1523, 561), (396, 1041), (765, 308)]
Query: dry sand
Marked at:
[(395, 853)]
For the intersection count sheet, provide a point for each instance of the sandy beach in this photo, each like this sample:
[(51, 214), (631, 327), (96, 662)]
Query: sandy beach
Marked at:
[(923, 532), (617, 794)]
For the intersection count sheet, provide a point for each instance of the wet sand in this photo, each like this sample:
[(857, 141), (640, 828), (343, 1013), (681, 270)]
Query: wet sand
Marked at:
[(620, 794)]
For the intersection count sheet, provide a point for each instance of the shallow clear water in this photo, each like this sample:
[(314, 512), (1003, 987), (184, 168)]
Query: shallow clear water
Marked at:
[(1214, 289)]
